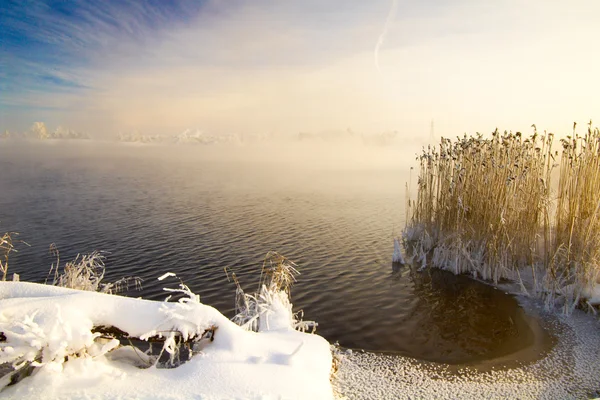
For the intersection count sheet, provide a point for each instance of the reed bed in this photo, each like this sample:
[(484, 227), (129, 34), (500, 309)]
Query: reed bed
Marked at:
[(494, 206), (573, 261)]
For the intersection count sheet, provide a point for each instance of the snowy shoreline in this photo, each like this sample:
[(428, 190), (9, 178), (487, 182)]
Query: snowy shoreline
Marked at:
[(570, 370), (51, 328)]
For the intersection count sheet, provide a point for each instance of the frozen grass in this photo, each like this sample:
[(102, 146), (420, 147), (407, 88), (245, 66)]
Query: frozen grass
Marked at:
[(270, 306), (486, 206), (86, 272), (6, 246)]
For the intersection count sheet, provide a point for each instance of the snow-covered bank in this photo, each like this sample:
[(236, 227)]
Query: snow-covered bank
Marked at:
[(52, 328), (570, 371)]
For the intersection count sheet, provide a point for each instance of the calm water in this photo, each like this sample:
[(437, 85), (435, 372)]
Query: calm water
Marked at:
[(196, 211)]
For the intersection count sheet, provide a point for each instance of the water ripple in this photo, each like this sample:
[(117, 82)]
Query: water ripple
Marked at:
[(197, 218)]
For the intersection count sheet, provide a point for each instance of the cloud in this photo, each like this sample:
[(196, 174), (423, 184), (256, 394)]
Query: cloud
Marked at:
[(292, 66)]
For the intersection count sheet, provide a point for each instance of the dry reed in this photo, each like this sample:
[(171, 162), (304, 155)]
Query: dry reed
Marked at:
[(573, 260), (485, 207), (86, 272), (6, 247), (278, 274)]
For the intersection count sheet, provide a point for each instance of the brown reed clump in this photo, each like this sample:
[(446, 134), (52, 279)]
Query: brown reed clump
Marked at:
[(486, 207), (481, 202), (573, 261)]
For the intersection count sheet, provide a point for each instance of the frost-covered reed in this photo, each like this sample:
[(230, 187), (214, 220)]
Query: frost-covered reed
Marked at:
[(479, 201), (6, 247), (86, 272), (573, 260), (270, 306), (8, 244), (493, 206)]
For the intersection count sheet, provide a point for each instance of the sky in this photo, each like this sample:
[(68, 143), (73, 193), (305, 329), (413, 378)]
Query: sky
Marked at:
[(159, 67)]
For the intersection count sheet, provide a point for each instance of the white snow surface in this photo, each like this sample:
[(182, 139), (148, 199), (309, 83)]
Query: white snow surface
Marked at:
[(592, 295), (277, 363)]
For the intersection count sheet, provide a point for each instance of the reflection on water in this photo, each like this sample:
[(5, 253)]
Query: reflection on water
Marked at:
[(432, 315), (196, 211), (465, 320)]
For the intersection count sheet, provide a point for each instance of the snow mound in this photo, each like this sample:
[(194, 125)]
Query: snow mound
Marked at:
[(50, 329)]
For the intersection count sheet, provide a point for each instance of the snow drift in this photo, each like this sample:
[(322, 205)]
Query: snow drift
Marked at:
[(51, 331)]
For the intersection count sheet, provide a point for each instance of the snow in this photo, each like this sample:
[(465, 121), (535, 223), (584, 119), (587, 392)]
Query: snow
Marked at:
[(276, 362), (51, 328), (166, 275), (397, 256), (592, 295)]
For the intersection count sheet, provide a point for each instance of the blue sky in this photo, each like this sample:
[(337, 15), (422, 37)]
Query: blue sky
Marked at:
[(45, 43), (162, 66)]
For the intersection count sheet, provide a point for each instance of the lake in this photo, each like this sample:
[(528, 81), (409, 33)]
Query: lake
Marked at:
[(195, 211)]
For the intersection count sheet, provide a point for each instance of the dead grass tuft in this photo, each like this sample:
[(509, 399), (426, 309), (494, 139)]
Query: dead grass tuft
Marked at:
[(6, 247), (86, 272), (273, 295)]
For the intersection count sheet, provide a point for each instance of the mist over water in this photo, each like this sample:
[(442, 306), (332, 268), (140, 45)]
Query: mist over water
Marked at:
[(331, 208)]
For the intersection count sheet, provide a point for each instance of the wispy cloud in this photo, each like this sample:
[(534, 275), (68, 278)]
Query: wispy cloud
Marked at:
[(46, 41), (286, 66)]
